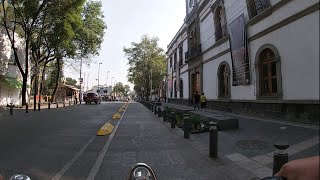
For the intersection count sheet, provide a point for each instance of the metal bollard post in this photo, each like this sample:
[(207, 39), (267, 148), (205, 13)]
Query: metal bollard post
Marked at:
[(173, 120), (159, 112), (280, 157), (11, 109), (155, 109), (151, 107), (64, 104), (74, 102), (49, 104), (69, 103), (213, 148), (27, 108), (164, 115), (186, 126), (38, 106), (57, 105)]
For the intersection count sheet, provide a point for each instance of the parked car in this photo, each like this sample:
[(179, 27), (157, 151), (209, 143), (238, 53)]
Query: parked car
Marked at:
[(92, 97)]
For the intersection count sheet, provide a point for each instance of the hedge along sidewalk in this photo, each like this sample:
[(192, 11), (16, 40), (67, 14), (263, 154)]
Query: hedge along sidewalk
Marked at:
[(225, 122)]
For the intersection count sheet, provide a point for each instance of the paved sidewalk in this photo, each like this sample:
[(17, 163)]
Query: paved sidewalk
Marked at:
[(147, 139), (251, 146)]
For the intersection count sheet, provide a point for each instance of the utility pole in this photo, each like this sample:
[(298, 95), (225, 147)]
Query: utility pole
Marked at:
[(98, 78), (80, 80)]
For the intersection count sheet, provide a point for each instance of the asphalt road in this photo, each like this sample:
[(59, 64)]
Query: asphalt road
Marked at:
[(41, 143), (62, 144)]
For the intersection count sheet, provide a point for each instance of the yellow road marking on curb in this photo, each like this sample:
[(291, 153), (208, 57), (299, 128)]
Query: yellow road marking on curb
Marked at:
[(106, 129), (116, 116), (121, 110)]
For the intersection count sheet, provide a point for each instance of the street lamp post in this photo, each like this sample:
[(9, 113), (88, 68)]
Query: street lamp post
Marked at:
[(98, 78), (107, 78)]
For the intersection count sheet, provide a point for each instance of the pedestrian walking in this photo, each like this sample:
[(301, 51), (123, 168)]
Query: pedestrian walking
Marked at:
[(203, 101), (196, 100)]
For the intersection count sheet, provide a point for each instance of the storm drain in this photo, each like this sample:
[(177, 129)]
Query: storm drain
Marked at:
[(253, 145)]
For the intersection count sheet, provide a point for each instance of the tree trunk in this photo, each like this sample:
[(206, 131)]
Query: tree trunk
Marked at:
[(53, 97), (42, 78), (24, 89)]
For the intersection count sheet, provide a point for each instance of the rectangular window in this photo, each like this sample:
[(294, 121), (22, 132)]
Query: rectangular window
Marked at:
[(170, 62)]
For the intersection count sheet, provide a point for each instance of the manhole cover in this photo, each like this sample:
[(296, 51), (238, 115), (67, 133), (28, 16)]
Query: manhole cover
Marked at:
[(253, 145)]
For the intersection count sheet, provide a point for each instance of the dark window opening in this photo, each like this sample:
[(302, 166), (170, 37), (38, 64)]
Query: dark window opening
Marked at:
[(181, 88), (220, 24), (255, 7), (180, 56), (224, 81)]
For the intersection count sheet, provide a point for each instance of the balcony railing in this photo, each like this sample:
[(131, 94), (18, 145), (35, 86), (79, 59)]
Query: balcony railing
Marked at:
[(192, 53)]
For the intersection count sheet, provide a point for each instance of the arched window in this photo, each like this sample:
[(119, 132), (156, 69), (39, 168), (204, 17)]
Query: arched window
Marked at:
[(181, 88), (224, 80), (220, 23), (268, 73)]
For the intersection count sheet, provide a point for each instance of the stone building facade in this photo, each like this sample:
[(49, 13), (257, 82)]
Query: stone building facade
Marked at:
[(256, 57)]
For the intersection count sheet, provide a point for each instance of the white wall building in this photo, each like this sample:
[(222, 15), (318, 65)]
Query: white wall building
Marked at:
[(10, 76), (177, 81), (257, 56)]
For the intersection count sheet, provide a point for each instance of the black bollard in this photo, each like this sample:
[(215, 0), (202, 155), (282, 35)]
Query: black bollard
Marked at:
[(27, 108), (11, 109), (74, 102), (151, 107), (155, 109), (280, 157), (64, 104), (49, 104), (38, 106), (69, 103), (173, 120), (57, 105), (164, 115), (213, 148), (159, 112), (186, 126)]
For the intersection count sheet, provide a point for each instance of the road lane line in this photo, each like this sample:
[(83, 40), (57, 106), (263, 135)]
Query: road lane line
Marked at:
[(103, 152), (75, 157)]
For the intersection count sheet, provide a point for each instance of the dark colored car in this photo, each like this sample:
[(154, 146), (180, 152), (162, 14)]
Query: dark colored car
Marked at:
[(92, 97)]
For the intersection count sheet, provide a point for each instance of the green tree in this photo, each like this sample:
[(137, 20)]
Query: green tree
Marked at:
[(126, 90), (71, 82), (65, 31), (20, 18), (119, 89), (147, 63)]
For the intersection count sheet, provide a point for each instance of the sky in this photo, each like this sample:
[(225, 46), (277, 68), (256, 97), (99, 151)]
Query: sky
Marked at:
[(127, 21)]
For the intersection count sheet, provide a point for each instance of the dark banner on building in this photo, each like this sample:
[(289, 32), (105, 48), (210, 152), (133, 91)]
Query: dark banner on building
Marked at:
[(239, 52)]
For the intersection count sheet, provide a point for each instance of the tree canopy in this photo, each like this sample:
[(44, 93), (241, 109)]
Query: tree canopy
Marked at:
[(147, 65)]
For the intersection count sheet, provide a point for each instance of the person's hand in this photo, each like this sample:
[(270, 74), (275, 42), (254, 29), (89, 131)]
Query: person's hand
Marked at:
[(301, 169)]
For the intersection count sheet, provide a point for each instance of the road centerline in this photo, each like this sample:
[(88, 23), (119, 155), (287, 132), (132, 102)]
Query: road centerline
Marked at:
[(103, 152)]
